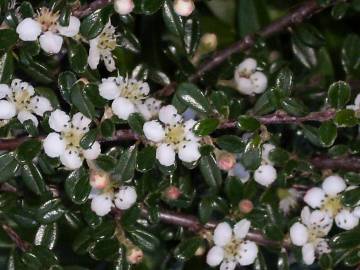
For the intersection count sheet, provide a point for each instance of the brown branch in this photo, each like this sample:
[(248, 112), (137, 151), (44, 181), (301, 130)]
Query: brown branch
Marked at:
[(296, 16), (21, 244), (349, 163), (85, 10)]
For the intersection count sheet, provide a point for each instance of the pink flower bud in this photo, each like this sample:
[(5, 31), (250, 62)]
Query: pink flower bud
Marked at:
[(123, 7), (246, 206), (226, 161), (172, 193), (134, 255), (184, 7), (99, 180)]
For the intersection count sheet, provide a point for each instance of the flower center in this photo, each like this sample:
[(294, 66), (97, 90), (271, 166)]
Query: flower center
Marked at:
[(47, 19), (231, 249), (21, 99), (175, 134), (132, 91), (107, 39), (332, 205), (72, 138)]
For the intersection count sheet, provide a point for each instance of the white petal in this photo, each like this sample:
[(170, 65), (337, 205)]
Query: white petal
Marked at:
[(266, 149), (150, 108), (308, 253), (81, 122), (189, 151), (244, 86), (125, 198), (123, 7), (321, 219), (109, 90), (4, 90), (109, 61), (322, 247), (165, 154), (346, 220), (59, 120), (28, 29), (54, 146), (184, 7), (122, 108), (265, 175), (154, 131), (72, 29), (333, 185), (228, 265), (7, 110), (168, 115), (101, 204), (222, 234), (215, 256), (357, 101), (259, 80), (93, 152), (247, 253), (40, 105), (247, 67), (305, 215), (356, 211), (242, 228), (298, 234), (94, 54), (50, 42), (314, 197), (25, 115), (240, 172), (189, 114), (71, 159)]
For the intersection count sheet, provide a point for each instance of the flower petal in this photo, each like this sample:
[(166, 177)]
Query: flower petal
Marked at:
[(298, 234), (108, 89), (308, 253), (101, 204), (246, 67), (266, 149), (165, 154), (242, 228), (228, 265), (154, 131), (50, 42), (314, 197), (81, 122), (168, 115), (59, 120), (259, 81), (122, 108), (53, 145), (25, 115), (265, 175), (28, 29), (215, 256), (305, 215), (125, 198), (4, 90), (94, 54), (71, 159), (222, 234), (334, 184), (72, 29), (40, 105), (7, 110), (322, 220), (109, 61), (93, 152), (247, 253), (346, 220), (189, 152)]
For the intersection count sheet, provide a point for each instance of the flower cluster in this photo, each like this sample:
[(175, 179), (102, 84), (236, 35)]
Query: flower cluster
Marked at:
[(328, 199), (172, 135), (231, 247), (103, 197), (248, 80), (65, 141), (45, 26), (129, 95), (19, 99)]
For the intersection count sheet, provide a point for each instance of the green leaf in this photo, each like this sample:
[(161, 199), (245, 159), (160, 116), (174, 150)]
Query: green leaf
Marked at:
[(32, 178), (251, 158), (351, 197), (191, 34), (49, 94), (105, 249), (30, 128), (81, 101), (107, 128), (46, 235), (92, 25), (91, 90), (294, 107), (6, 67), (173, 22), (231, 143), (144, 239), (146, 159), (29, 149), (352, 259), (8, 166), (346, 240), (147, 7), (206, 126), (8, 38), (279, 156), (339, 10), (187, 248), (136, 122), (248, 123), (125, 167), (273, 232), (50, 211), (285, 81), (77, 56), (190, 95), (77, 186), (106, 163), (339, 94), (306, 55), (327, 133), (88, 139), (349, 54), (346, 118), (210, 171), (64, 18), (210, 207), (310, 36), (65, 82)]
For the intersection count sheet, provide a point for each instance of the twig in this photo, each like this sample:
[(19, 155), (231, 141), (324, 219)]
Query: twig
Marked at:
[(21, 244), (85, 10), (298, 15), (340, 163)]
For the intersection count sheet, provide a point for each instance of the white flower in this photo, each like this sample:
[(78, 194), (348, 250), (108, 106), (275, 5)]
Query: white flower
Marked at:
[(149, 108), (20, 100), (328, 199), (124, 7), (310, 233), (128, 96), (125, 198), (184, 7), (231, 248), (101, 48), (45, 26), (65, 142), (172, 135), (266, 149), (288, 199), (356, 105), (265, 175), (248, 80), (101, 203)]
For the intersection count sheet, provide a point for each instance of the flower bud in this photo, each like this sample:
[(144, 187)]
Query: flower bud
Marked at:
[(226, 161), (99, 179), (200, 251), (209, 42), (246, 206), (172, 193), (134, 255), (124, 7), (184, 7)]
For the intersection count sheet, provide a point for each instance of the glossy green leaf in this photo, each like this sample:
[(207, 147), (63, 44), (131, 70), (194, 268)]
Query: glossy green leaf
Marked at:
[(346, 118), (206, 126), (125, 167), (327, 133), (210, 171), (339, 94), (81, 101), (6, 67), (146, 159), (77, 186), (231, 143), (77, 57), (8, 166), (8, 38), (46, 235), (65, 82), (248, 123), (136, 122), (88, 139), (187, 248), (28, 150), (50, 211), (33, 178), (190, 95)]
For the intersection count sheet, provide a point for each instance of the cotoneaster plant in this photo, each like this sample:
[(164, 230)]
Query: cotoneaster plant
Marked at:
[(179, 134)]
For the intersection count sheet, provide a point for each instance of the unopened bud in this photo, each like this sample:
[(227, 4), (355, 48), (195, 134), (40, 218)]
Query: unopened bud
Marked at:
[(246, 206), (124, 7), (184, 7), (226, 161), (99, 179), (134, 255), (209, 42), (172, 193), (200, 251)]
